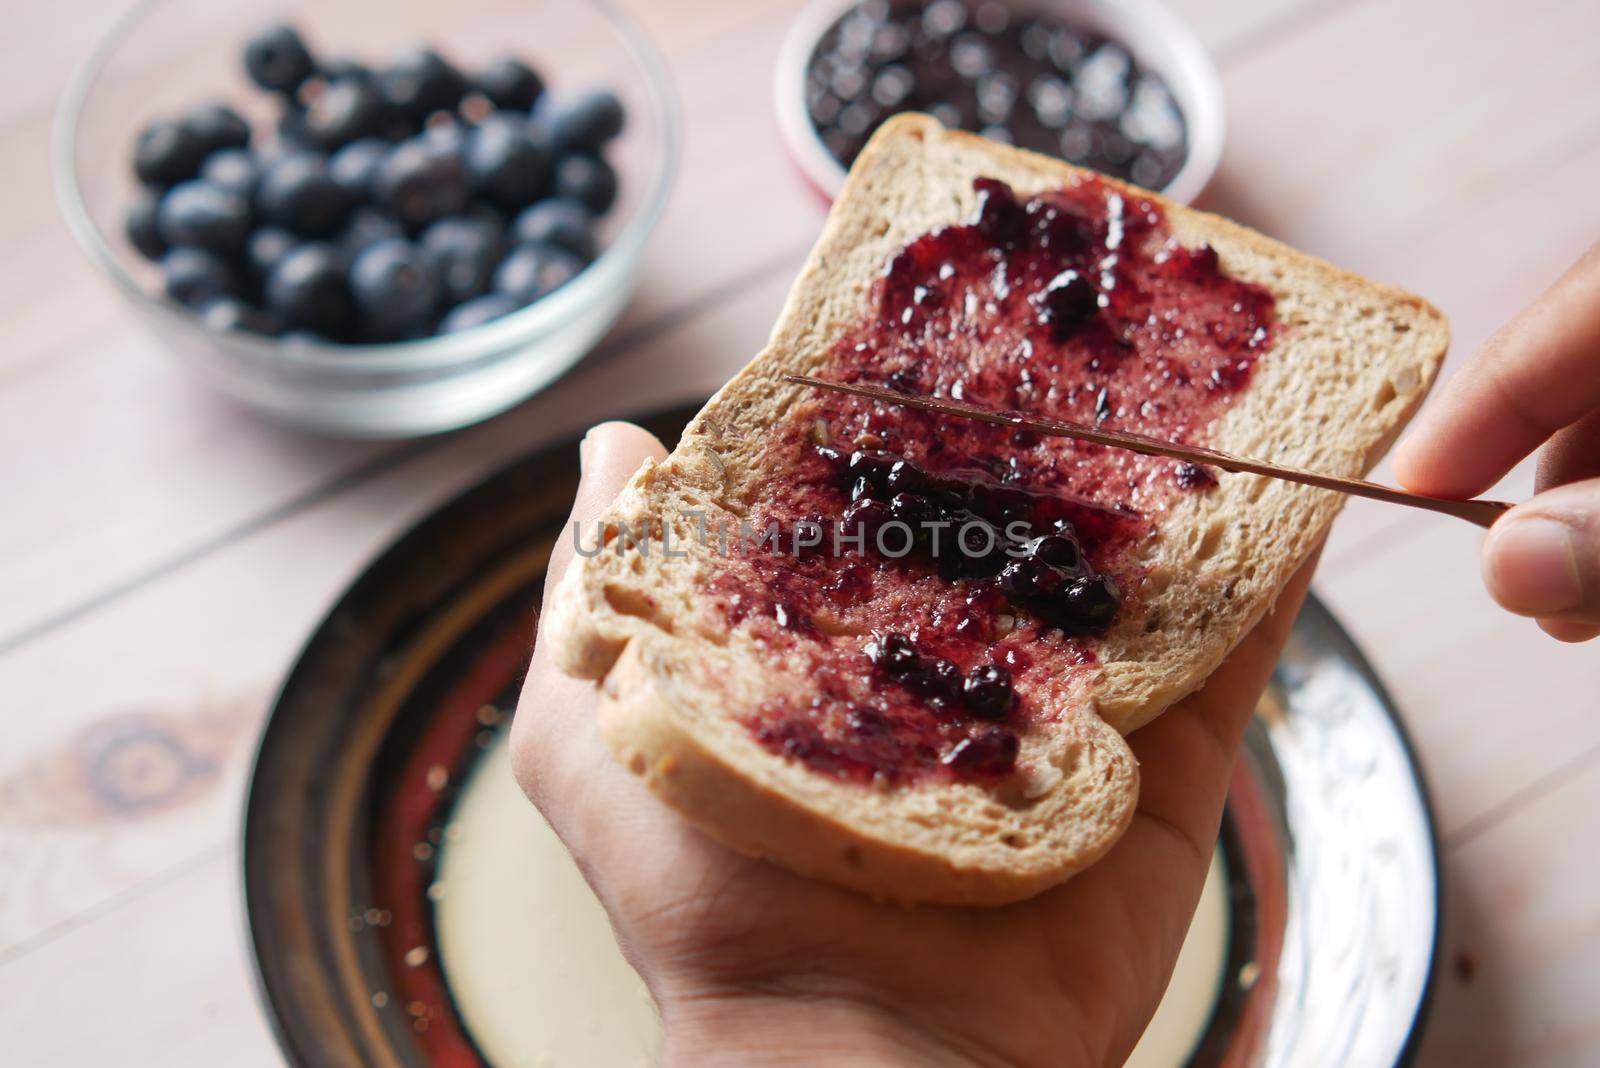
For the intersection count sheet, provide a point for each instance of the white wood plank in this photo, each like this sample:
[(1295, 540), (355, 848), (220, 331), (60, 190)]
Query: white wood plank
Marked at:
[(1518, 986), (163, 983), (1386, 117)]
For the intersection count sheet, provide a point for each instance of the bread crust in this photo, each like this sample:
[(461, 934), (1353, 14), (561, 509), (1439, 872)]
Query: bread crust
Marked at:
[(1351, 363)]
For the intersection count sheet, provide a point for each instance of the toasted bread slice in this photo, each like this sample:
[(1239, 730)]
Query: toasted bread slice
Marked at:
[(682, 679)]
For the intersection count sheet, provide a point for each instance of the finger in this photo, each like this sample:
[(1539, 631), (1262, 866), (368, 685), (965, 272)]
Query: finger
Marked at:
[(1186, 759), (1536, 375), (1542, 558), (1186, 756), (551, 727), (1563, 631), (1572, 455), (608, 455)]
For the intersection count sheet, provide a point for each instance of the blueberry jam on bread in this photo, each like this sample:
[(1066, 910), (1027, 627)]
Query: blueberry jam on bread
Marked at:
[(940, 715), (1076, 301)]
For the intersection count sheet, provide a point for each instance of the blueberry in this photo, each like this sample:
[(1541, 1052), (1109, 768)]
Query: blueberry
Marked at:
[(140, 225), (419, 82), (167, 153), (394, 287), (531, 271), (367, 227), (874, 464), (233, 169), (971, 547), (586, 122), (446, 134), (904, 476), (1051, 227), (508, 160), (1058, 550), (560, 221), (217, 127), (463, 250), (345, 111), (987, 691), (202, 214), (268, 245), (1066, 303), (510, 83), (298, 194), (197, 276), (587, 179), (307, 288), (892, 85), (1026, 579), (1085, 606), (421, 182), (476, 312), (910, 509), (999, 217), (355, 166), (935, 678), (864, 517), (278, 60), (228, 313), (894, 655)]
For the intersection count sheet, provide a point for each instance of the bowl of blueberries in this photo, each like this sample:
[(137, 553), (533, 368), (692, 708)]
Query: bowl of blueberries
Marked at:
[(365, 219), (1119, 86)]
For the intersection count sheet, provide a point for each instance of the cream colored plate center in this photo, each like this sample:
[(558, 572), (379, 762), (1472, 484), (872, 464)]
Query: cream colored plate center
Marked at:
[(539, 980)]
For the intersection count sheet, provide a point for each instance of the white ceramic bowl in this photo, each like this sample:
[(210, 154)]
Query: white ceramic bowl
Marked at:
[(166, 55), (1158, 39)]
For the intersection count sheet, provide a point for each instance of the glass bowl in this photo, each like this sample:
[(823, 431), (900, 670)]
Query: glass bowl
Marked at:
[(1159, 39), (165, 56)]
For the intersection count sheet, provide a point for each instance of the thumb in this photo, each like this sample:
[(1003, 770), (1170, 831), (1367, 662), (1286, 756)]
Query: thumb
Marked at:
[(608, 456), (552, 735), (1542, 559)]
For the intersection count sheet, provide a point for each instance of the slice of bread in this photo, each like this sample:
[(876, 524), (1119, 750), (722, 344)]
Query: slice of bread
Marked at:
[(680, 678)]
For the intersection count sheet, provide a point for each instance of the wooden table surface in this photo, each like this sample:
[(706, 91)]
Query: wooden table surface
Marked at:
[(163, 554)]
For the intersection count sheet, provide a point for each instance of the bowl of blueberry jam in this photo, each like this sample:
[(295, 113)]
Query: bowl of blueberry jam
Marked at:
[(371, 219), (1119, 86)]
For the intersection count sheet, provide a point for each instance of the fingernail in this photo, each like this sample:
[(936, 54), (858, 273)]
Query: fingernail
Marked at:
[(583, 451), (1534, 567), (1565, 630), (1397, 458)]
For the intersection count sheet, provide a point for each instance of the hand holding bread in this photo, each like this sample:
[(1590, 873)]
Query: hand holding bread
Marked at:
[(955, 726), (750, 963), (1534, 385)]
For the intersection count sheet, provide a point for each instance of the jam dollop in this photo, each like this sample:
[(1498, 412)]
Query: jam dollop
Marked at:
[(972, 527), (1076, 303)]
